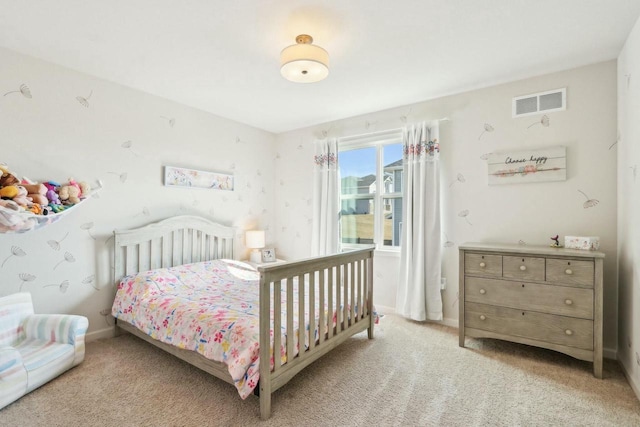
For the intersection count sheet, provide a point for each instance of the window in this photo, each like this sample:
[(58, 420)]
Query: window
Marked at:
[(371, 190)]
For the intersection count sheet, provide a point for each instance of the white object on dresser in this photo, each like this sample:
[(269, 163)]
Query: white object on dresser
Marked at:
[(589, 243), (535, 295)]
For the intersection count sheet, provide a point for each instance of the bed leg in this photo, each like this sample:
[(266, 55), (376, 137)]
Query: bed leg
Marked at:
[(265, 405), (370, 328), (117, 331)]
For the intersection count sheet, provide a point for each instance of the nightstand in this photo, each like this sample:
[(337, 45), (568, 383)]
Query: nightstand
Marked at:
[(264, 264)]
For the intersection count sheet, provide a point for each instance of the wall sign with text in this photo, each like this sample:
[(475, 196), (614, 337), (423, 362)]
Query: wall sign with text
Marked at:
[(516, 167)]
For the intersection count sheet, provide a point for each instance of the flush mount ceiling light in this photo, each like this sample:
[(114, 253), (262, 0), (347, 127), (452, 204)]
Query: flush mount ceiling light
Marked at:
[(304, 62)]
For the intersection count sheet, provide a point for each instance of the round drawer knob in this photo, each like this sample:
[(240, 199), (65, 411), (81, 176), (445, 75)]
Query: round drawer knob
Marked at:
[(483, 265), (523, 267), (482, 317), (482, 291), (568, 302), (568, 271), (568, 332)]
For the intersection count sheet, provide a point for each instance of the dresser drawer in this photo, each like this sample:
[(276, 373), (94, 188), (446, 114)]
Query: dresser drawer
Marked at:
[(523, 268), (562, 300), (561, 330), (483, 264), (570, 272)]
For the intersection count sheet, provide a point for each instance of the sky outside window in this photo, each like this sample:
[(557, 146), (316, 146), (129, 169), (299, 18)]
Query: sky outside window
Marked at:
[(362, 162), (357, 163)]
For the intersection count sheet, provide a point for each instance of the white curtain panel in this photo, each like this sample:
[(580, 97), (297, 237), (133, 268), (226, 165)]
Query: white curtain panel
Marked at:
[(325, 237), (418, 296)]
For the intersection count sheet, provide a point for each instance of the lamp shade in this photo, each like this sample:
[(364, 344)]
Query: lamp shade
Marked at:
[(304, 62), (254, 239)]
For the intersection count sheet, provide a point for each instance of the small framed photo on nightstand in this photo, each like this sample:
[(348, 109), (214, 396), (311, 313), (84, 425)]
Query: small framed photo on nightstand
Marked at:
[(268, 255)]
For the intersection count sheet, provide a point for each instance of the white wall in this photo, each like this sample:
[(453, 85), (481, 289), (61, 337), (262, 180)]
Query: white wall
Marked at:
[(53, 136), (629, 206), (505, 213)]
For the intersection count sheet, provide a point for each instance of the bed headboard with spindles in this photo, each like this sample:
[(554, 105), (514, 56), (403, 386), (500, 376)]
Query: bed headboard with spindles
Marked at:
[(173, 241)]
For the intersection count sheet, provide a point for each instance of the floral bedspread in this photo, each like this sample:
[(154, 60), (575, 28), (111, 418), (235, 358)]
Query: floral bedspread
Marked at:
[(210, 307)]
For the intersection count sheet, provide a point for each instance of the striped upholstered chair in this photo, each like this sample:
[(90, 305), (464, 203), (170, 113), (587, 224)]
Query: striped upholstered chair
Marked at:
[(35, 348)]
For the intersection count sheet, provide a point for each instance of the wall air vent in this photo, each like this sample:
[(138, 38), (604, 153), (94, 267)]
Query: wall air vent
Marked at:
[(543, 102)]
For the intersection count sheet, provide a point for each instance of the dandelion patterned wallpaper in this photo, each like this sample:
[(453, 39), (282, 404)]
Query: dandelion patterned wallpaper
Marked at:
[(480, 123), (61, 124), (627, 148), (66, 124), (24, 90)]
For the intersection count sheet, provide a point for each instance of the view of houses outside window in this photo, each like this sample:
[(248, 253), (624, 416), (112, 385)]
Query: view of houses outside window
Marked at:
[(362, 170)]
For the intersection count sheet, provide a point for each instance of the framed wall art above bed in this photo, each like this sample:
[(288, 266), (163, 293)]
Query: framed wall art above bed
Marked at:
[(183, 177), (180, 289)]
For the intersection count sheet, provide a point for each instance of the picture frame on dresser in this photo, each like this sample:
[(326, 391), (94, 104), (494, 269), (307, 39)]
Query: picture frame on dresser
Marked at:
[(535, 295), (268, 255)]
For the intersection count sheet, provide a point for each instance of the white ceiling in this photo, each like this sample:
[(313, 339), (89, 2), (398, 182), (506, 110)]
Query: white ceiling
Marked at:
[(223, 56)]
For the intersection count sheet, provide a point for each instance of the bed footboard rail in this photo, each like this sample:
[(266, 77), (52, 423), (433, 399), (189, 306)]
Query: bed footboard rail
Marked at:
[(342, 285)]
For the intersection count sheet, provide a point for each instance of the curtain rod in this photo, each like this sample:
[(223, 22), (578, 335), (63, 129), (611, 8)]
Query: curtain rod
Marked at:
[(382, 132)]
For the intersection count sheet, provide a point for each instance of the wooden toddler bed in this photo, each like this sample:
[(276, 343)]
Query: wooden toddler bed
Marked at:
[(340, 285)]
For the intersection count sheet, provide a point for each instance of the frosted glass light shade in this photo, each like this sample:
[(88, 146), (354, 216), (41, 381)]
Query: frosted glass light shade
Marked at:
[(254, 239), (304, 62)]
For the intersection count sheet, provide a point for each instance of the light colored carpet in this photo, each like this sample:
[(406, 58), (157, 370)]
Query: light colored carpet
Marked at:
[(410, 374)]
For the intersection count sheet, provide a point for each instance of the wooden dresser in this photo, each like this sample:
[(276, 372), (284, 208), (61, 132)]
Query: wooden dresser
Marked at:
[(536, 295)]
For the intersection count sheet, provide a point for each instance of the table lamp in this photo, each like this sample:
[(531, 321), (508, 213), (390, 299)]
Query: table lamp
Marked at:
[(254, 240)]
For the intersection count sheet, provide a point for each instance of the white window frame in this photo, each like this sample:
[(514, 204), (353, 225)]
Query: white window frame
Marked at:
[(377, 140)]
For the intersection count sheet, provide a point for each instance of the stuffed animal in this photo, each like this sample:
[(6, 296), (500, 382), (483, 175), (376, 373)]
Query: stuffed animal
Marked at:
[(52, 192), (85, 188), (57, 208), (55, 204), (17, 193), (73, 183), (69, 194), (53, 197), (38, 193), (22, 197), (9, 192), (8, 220), (7, 177), (35, 208), (10, 205)]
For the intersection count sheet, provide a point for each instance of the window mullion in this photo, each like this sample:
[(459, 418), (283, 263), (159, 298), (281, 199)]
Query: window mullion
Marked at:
[(393, 195), (377, 219), (355, 196)]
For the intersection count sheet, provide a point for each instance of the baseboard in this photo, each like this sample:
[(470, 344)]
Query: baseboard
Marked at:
[(99, 334), (632, 382), (610, 353), (383, 309), (449, 322)]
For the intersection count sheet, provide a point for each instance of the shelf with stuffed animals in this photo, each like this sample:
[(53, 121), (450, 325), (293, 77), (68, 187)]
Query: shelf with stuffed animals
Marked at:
[(26, 205)]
